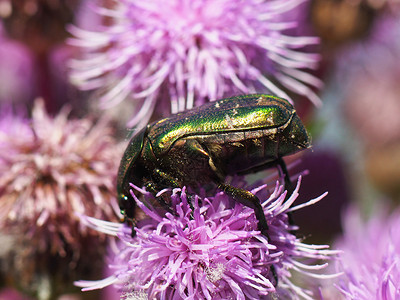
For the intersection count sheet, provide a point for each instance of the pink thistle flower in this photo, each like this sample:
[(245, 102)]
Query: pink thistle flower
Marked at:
[(211, 252), (372, 61), (13, 121), (371, 256), (51, 169), (185, 53)]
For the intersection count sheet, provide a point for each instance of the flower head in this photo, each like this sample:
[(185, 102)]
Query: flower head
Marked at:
[(213, 251), (371, 256), (53, 168), (50, 169), (185, 53), (371, 61)]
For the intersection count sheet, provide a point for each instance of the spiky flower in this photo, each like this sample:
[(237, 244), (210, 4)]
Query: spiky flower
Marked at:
[(184, 53), (51, 169), (213, 251), (371, 256), (372, 61)]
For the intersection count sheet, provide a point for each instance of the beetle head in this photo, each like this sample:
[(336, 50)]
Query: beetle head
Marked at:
[(128, 174)]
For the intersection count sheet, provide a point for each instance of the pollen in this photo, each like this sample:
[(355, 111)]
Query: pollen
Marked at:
[(215, 273), (262, 100), (229, 121)]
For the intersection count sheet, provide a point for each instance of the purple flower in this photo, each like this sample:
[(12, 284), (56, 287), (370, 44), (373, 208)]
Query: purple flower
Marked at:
[(51, 169), (13, 121), (185, 53), (211, 252), (371, 256), (16, 71), (372, 61), (368, 81)]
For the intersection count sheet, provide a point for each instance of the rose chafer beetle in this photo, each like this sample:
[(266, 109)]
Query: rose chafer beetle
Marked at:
[(204, 145)]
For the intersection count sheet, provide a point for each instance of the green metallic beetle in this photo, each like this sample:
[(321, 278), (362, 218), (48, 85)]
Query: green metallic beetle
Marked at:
[(204, 145)]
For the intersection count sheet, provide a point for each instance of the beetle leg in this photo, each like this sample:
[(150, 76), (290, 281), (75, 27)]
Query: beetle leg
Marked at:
[(170, 182), (165, 178), (282, 169), (195, 147), (286, 177), (249, 200), (150, 186), (199, 149), (274, 275), (288, 185)]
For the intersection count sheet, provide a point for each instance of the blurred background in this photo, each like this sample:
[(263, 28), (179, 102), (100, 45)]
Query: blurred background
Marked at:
[(355, 132)]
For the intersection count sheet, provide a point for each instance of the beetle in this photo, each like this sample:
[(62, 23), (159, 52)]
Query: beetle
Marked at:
[(237, 135)]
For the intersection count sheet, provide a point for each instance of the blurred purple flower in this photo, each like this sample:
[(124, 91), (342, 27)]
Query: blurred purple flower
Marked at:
[(185, 53), (368, 76), (13, 121), (10, 294), (51, 168), (371, 256), (368, 79), (17, 77), (212, 252)]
